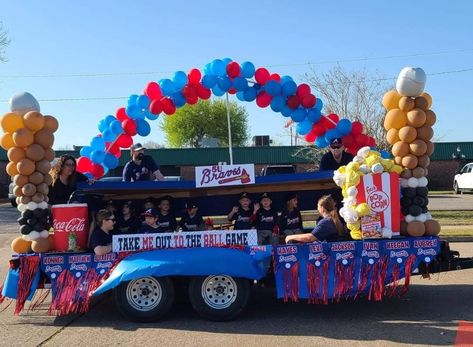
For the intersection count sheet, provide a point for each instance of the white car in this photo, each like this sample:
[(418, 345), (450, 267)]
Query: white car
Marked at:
[(464, 179)]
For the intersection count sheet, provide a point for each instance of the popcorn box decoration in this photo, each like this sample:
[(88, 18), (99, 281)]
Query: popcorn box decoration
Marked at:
[(382, 194)]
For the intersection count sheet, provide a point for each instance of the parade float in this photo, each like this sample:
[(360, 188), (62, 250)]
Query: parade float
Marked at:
[(385, 206)]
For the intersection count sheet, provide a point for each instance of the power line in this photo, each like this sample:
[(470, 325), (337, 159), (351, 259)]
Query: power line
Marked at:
[(345, 60)]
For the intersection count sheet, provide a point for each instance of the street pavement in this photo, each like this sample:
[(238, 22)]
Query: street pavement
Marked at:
[(427, 316)]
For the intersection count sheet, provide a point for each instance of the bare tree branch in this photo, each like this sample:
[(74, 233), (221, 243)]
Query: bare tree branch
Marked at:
[(4, 42)]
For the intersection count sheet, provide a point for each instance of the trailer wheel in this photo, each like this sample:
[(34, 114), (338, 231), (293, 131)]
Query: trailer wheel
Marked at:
[(145, 299), (219, 297), (456, 190)]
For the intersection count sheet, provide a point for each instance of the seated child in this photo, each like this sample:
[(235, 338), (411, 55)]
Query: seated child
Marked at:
[(101, 238), (128, 222), (290, 221), (242, 215), (266, 221), (191, 220), (149, 203), (166, 220), (150, 225)]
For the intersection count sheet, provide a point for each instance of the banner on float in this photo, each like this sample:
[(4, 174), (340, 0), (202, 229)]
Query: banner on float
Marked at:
[(188, 239), (381, 193), (224, 175)]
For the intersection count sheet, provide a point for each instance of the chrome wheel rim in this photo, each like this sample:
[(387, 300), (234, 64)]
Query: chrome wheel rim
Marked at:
[(144, 294), (219, 292)]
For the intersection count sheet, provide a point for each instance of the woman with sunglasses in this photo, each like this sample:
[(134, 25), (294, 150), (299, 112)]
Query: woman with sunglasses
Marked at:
[(101, 239), (64, 180), (335, 157)]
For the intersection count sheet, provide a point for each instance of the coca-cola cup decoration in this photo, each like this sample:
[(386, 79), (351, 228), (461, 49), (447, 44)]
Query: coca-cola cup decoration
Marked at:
[(71, 227)]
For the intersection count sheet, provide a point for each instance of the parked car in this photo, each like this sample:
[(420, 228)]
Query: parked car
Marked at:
[(463, 180), (277, 170)]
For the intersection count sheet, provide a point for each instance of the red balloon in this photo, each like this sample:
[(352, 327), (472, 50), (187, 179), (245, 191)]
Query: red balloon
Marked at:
[(318, 129), (168, 106), (334, 117), (113, 148), (262, 75), (129, 125), (310, 137), (84, 164), (233, 69), (371, 142), (97, 170), (348, 140), (155, 107), (356, 128), (153, 91), (192, 101), (302, 90), (361, 140), (232, 91), (194, 76), (309, 101), (275, 77), (190, 91), (121, 114), (204, 93), (293, 101), (124, 141), (263, 99)]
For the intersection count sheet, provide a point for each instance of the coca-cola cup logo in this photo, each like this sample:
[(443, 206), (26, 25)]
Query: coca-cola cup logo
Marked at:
[(378, 201), (72, 225)]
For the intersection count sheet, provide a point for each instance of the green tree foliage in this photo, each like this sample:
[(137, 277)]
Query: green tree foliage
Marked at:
[(191, 123)]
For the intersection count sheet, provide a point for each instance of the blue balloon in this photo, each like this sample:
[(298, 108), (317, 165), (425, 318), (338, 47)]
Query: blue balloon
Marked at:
[(151, 116), (304, 127), (167, 86), (385, 155), (132, 99), (257, 86), (224, 83), (208, 69), (105, 169), (109, 119), (344, 126), (180, 79), (178, 99), (218, 67), (286, 111), (143, 101), (217, 91), (319, 104), (116, 127), (289, 88), (298, 115), (86, 151), (142, 127), (209, 81), (286, 78), (240, 96), (250, 94), (97, 144), (133, 111), (240, 84), (226, 61), (97, 156), (278, 103), (102, 125), (110, 161), (247, 69), (314, 115), (332, 134), (108, 135), (321, 142), (272, 87)]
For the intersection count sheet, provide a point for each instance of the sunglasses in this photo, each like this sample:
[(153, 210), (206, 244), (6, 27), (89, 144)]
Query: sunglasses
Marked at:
[(70, 165), (335, 147)]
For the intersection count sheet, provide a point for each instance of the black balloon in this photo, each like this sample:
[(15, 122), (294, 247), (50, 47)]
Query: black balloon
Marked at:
[(22, 220), (405, 201), (32, 220), (27, 214), (405, 210), (419, 201), (425, 209), (26, 229), (38, 227), (415, 210), (422, 191), (409, 192)]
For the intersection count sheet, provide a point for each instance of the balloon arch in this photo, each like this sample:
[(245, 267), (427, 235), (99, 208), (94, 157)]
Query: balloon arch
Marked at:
[(282, 94)]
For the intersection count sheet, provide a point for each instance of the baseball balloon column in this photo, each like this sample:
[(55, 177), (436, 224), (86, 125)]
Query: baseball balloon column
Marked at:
[(408, 123), (28, 138)]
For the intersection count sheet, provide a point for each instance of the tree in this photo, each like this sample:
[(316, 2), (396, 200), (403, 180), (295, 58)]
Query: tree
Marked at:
[(4, 42), (191, 123), (354, 95)]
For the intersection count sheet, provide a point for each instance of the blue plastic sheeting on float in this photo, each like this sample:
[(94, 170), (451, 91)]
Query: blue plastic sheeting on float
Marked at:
[(10, 287), (251, 263), (335, 270)]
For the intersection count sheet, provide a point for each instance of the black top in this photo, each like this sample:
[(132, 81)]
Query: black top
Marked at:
[(325, 230), (290, 220), (167, 223), (142, 172), (130, 226), (100, 238), (59, 193), (242, 219), (146, 229), (327, 162), (188, 223), (266, 219)]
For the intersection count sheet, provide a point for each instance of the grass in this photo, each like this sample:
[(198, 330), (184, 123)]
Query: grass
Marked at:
[(453, 218)]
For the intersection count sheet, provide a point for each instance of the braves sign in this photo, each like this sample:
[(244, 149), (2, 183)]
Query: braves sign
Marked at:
[(224, 175)]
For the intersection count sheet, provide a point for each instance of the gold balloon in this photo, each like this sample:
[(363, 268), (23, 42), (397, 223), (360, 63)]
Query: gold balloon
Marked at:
[(392, 136), (25, 167), (418, 172), (29, 189), (424, 161), (425, 133), (415, 228), (406, 173), (391, 99), (49, 154), (48, 179), (421, 103), (398, 160), (16, 154), (407, 134), (406, 104), (36, 178), (17, 191), (403, 230), (432, 227), (40, 245), (400, 149), (427, 97), (11, 169), (50, 123), (430, 118), (11, 122), (410, 161), (34, 121), (38, 197), (52, 245), (43, 166), (395, 118), (25, 199), (21, 246), (430, 148), (418, 147), (7, 141), (23, 137), (42, 188), (20, 180), (44, 137), (35, 152), (416, 118)]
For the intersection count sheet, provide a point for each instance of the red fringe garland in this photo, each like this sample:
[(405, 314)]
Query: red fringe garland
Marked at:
[(344, 278), (290, 278), (363, 279), (29, 266), (38, 300), (408, 272), (314, 276), (2, 298), (377, 281)]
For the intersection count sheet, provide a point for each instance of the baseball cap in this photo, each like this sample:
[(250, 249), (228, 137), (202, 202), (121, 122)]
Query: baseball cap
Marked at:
[(290, 196), (336, 141), (244, 195), (190, 204), (265, 196), (151, 212), (137, 147)]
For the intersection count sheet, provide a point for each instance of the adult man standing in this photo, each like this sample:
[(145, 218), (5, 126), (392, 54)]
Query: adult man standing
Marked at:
[(141, 167), (336, 156)]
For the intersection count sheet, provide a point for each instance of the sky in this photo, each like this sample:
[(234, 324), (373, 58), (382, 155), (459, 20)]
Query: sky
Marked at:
[(95, 54)]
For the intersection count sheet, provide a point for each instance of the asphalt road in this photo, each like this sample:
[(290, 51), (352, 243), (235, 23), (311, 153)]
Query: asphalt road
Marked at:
[(428, 315)]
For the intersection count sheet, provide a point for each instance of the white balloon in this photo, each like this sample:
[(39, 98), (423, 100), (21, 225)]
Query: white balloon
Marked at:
[(32, 205), (423, 181), (411, 81), (352, 191), (377, 168), (350, 201), (33, 235), (428, 216), (358, 159), (410, 218), (23, 103), (363, 151), (386, 233), (21, 207), (403, 182), (44, 234), (43, 205), (413, 182), (421, 218), (365, 169)]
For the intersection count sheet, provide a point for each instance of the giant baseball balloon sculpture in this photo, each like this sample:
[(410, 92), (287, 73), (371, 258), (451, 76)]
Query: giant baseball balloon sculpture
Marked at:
[(409, 122), (28, 138), (281, 94)]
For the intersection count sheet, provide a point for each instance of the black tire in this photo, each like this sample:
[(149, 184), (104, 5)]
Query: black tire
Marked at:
[(455, 187), (145, 299), (219, 297)]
